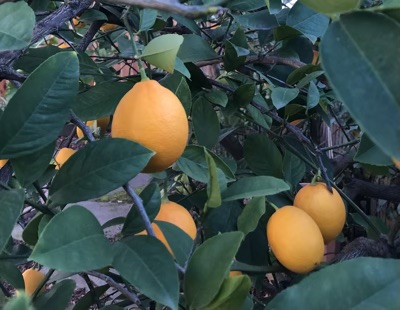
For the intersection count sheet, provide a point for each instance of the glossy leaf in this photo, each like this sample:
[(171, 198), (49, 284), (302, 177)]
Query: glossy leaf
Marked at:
[(11, 204), (207, 268), (161, 51), (332, 6), (310, 23), (194, 48), (222, 219), (100, 100), (217, 97), (180, 242), (154, 274), (97, 169), (244, 94), (30, 235), (205, 122), (193, 163), (251, 214), (178, 85), (147, 19), (33, 57), (37, 112), (369, 153), (373, 100), (274, 6), (263, 156), (16, 25), (213, 190), (151, 198), (232, 58), (281, 96), (245, 5), (31, 167), (377, 283), (261, 20), (58, 297), (73, 241), (232, 293), (293, 169), (87, 300), (10, 273), (254, 186), (312, 96)]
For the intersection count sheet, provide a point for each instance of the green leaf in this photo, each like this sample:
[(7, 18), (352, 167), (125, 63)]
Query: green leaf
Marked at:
[(281, 96), (302, 72), (194, 48), (259, 118), (293, 169), (254, 187), (181, 68), (261, 20), (31, 167), (31, 232), (161, 51), (12, 202), (222, 219), (213, 190), (57, 298), (33, 57), (332, 6), (20, 302), (151, 198), (97, 169), (374, 96), (310, 23), (232, 293), (232, 59), (377, 222), (10, 273), (179, 241), (91, 15), (377, 283), (100, 100), (245, 5), (178, 85), (312, 96), (207, 268), (39, 109), (147, 19), (205, 122), (154, 273), (193, 163), (274, 6), (369, 153), (244, 94), (217, 97), (262, 155), (73, 241), (16, 25), (251, 214)]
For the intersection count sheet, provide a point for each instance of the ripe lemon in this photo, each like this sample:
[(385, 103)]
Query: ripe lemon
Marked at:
[(173, 213), (32, 279), (62, 156), (396, 162), (295, 239), (64, 45), (153, 116), (101, 122), (108, 27), (327, 209), (77, 23), (3, 162), (234, 273)]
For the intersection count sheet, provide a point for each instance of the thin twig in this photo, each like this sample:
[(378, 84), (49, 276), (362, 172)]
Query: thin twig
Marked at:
[(42, 283), (110, 281), (89, 35), (85, 129), (91, 289), (353, 142), (138, 203)]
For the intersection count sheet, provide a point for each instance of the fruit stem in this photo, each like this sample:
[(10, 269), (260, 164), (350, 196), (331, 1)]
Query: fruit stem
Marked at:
[(273, 205), (142, 71), (316, 178)]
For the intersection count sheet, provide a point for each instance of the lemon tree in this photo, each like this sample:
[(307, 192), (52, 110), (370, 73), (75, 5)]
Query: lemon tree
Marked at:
[(269, 130)]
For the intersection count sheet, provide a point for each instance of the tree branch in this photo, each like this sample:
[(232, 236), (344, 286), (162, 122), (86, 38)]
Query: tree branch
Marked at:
[(258, 59), (359, 187), (171, 6)]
